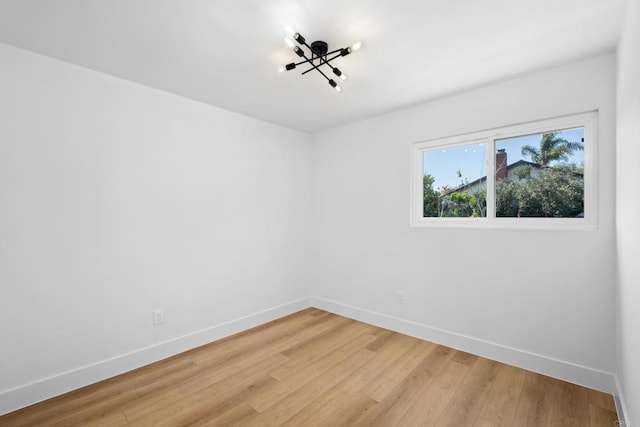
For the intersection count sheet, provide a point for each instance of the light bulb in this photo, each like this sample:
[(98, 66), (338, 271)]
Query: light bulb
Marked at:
[(339, 73), (289, 42), (298, 37), (289, 29), (338, 88), (356, 46), (281, 69)]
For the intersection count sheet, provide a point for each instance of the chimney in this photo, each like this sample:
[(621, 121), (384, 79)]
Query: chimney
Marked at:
[(501, 164)]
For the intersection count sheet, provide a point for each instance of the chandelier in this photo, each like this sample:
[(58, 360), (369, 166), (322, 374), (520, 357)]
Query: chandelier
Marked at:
[(318, 56)]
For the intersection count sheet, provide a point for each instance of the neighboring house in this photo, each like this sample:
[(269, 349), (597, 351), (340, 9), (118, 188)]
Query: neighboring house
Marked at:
[(503, 170)]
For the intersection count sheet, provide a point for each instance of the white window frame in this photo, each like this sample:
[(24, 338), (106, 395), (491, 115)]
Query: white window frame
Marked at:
[(589, 121)]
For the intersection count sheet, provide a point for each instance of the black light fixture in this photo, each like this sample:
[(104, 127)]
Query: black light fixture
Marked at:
[(318, 56)]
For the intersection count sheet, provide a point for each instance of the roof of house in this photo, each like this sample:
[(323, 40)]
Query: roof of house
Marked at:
[(484, 178), (509, 167)]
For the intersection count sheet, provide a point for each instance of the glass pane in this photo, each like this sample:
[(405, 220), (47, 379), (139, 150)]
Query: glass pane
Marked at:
[(541, 175), (455, 181)]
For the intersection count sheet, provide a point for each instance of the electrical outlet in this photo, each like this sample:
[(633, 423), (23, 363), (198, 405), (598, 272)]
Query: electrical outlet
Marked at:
[(400, 297), (158, 316)]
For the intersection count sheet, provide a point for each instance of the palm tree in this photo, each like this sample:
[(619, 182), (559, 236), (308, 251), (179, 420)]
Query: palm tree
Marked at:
[(551, 148)]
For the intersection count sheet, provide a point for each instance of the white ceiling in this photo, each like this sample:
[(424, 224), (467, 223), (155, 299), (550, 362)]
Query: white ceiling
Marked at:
[(226, 52)]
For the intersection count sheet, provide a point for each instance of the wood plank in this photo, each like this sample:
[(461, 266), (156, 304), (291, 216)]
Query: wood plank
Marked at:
[(109, 418), (536, 401), (317, 368), (601, 400), (212, 405), (303, 396), (300, 357), (382, 338), (464, 358), (380, 386), (335, 408), (385, 356), (431, 404), (570, 405), (483, 422), (602, 417), (289, 385), (102, 396), (312, 311), (466, 404), (207, 382), (343, 401), (331, 404), (504, 396), (269, 342), (236, 416), (396, 404), (349, 411)]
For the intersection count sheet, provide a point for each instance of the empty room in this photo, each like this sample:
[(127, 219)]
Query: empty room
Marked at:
[(335, 213)]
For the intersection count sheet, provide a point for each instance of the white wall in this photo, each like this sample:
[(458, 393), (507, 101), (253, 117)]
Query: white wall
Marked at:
[(117, 199), (627, 209), (547, 305)]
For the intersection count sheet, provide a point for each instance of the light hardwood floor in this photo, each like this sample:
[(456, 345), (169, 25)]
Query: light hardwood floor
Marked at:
[(317, 368)]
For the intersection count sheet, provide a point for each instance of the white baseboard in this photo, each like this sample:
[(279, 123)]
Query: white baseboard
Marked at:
[(577, 374), (28, 394), (621, 408)]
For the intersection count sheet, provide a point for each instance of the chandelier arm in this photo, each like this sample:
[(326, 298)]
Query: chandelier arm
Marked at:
[(325, 62), (334, 51), (305, 72), (321, 58), (316, 67), (323, 74), (303, 62)]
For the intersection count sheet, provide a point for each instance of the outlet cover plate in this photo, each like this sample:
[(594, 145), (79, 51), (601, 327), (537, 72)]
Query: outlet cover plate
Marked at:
[(158, 317)]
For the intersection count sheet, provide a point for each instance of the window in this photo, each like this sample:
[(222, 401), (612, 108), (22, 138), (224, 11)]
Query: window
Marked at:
[(541, 175), (447, 170)]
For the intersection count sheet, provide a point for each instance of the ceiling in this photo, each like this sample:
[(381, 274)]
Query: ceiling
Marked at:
[(226, 52)]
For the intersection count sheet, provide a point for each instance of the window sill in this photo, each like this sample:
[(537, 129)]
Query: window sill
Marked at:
[(559, 224)]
